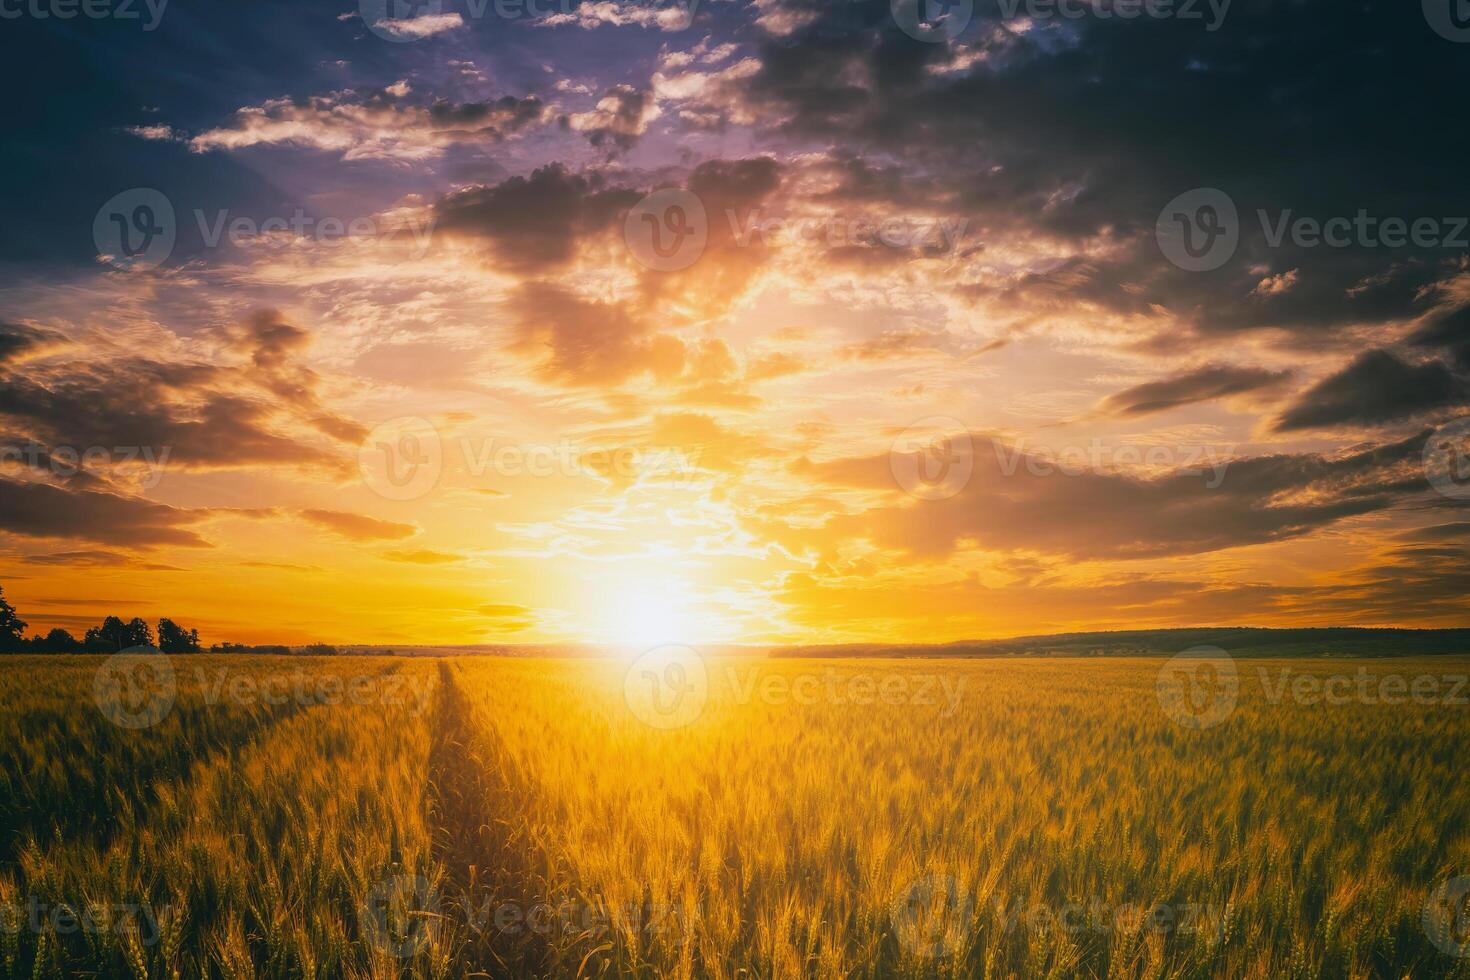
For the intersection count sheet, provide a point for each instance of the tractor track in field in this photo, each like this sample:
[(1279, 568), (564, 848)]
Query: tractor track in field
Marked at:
[(96, 824), (477, 840)]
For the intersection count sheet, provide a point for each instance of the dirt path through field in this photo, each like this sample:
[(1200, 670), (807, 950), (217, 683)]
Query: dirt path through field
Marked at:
[(489, 865)]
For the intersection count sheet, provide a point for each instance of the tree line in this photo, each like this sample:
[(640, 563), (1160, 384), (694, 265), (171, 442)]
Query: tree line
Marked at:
[(113, 635)]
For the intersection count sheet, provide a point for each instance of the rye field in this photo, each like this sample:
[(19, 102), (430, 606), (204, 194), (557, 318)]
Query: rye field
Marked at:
[(677, 816)]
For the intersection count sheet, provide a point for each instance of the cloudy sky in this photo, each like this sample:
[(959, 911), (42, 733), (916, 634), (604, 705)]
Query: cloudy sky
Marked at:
[(767, 322)]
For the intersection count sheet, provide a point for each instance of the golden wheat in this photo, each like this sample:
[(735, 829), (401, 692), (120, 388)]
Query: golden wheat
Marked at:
[(809, 818)]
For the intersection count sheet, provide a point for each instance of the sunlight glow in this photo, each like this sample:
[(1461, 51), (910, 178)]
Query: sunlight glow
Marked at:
[(640, 611), (647, 618)]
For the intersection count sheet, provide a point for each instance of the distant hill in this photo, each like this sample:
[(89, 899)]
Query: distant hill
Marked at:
[(1245, 641)]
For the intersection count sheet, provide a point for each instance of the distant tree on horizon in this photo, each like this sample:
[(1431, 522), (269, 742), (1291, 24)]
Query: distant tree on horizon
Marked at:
[(57, 641), (173, 638), (12, 627), (114, 635), (140, 634), (108, 636)]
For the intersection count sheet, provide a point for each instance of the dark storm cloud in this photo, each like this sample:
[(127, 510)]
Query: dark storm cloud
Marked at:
[(733, 184), (534, 223), (269, 340), (1084, 128), (1378, 387), (730, 191), (18, 340), (221, 430), (203, 415), (1448, 331), (1201, 385), (508, 114), (1020, 501), (44, 511)]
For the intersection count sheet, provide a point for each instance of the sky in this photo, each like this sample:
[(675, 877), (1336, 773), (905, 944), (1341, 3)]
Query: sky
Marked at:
[(739, 322)]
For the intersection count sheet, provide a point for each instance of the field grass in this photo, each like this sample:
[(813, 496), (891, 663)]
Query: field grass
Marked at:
[(790, 818), (68, 771)]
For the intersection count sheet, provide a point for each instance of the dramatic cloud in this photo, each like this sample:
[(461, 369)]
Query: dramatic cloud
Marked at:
[(534, 223), (729, 191), (1374, 389), (1201, 385), (18, 341), (622, 116), (894, 230), (379, 126), (1025, 502), (43, 511), (1449, 331), (578, 341), (1069, 137), (183, 413)]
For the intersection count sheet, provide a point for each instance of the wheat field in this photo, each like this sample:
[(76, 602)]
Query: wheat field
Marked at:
[(463, 817)]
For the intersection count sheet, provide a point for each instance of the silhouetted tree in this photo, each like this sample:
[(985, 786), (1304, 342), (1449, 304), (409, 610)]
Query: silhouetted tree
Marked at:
[(59, 641), (114, 635), (139, 633), (12, 627), (111, 636), (173, 638)]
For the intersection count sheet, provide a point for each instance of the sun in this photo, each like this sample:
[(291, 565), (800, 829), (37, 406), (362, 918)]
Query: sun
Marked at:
[(640, 611), (650, 619)]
